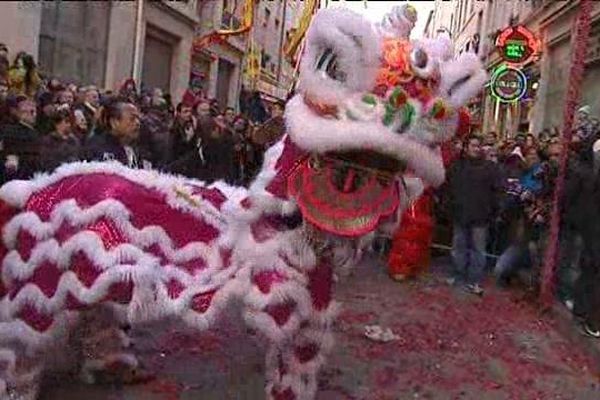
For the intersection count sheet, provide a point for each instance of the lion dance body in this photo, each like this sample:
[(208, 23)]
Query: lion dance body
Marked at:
[(102, 239)]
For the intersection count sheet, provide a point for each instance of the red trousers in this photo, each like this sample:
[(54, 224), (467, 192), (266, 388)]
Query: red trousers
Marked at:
[(410, 253)]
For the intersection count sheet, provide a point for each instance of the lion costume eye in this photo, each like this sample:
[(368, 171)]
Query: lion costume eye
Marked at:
[(419, 58), (328, 63)]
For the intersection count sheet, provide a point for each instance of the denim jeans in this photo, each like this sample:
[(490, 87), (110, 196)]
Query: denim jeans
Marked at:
[(571, 246), (468, 252), (586, 288), (510, 261), (517, 257)]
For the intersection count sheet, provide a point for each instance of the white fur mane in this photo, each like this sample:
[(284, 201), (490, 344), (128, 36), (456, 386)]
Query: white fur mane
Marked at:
[(357, 46)]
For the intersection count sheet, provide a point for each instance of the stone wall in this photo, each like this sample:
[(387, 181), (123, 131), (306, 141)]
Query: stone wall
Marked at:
[(20, 26), (121, 44)]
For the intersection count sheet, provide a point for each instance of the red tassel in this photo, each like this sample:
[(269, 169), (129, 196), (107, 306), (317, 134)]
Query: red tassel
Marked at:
[(410, 246), (464, 124)]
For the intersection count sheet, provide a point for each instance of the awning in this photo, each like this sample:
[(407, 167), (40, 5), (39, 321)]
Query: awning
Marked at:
[(271, 90), (269, 98)]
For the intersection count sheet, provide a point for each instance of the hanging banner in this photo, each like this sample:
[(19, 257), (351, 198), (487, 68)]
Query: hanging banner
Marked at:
[(205, 41), (252, 64), (220, 36), (297, 36), (247, 21)]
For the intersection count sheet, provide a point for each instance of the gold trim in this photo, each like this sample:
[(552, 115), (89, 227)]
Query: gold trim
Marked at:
[(316, 161), (187, 197), (340, 224)]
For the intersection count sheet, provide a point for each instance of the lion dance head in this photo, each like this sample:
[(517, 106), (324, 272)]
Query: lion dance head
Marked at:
[(371, 107)]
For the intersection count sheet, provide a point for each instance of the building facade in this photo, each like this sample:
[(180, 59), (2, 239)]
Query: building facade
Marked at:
[(274, 24), (221, 64), (474, 26), (105, 43)]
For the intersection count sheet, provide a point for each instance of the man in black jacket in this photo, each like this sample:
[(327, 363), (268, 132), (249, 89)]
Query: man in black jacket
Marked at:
[(154, 140), (474, 188), (120, 129), (586, 198), (188, 140), (18, 143)]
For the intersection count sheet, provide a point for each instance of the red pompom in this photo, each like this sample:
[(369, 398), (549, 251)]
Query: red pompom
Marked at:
[(464, 123), (448, 153), (410, 246)]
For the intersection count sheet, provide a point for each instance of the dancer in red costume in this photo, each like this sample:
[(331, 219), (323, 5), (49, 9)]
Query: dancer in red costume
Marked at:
[(409, 255)]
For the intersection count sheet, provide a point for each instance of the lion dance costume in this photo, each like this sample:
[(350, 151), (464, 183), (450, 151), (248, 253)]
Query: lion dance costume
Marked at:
[(142, 246)]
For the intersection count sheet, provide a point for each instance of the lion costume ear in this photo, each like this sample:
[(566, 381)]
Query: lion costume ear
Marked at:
[(341, 56)]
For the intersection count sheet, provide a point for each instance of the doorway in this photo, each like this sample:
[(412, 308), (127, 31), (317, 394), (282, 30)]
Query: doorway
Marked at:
[(224, 79), (156, 70)]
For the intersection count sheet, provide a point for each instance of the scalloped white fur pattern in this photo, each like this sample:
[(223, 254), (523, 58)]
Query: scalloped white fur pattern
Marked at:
[(285, 253)]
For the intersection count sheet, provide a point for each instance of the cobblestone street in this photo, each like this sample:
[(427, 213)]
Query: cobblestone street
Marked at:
[(451, 345)]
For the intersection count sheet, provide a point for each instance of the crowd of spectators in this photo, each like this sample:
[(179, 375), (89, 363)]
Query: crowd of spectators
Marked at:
[(45, 122), (499, 200)]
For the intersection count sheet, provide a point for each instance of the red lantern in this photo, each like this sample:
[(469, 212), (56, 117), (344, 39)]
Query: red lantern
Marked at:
[(517, 45)]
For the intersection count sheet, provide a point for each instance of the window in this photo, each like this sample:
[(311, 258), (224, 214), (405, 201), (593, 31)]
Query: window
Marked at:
[(156, 68), (73, 40), (272, 68), (230, 21), (277, 22), (267, 17)]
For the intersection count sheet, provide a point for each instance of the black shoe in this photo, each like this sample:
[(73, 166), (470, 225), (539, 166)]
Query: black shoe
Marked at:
[(590, 330), (475, 289)]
